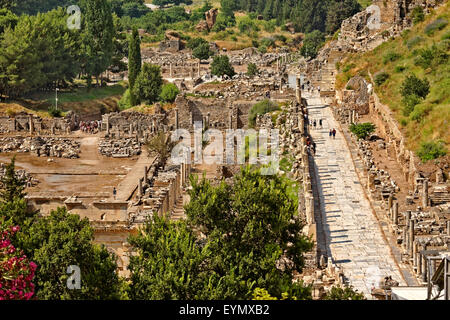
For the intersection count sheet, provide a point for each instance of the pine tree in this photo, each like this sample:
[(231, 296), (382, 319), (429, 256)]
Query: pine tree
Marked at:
[(12, 186), (134, 61), (99, 36)]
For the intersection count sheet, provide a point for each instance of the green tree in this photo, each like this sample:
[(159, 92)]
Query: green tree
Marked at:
[(60, 240), (252, 69), (338, 11), (249, 226), (169, 92), (412, 85), (312, 43), (148, 84), (202, 52), (221, 66), (134, 61), (169, 262), (362, 130), (7, 19), (98, 36), (195, 42), (347, 293), (12, 186)]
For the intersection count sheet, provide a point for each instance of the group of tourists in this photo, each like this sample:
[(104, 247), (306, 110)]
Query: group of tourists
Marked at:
[(311, 145), (316, 123), (332, 133), (91, 127)]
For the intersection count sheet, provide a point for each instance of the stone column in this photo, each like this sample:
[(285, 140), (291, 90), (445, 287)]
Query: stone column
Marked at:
[(171, 70), (353, 116), (390, 204), (198, 69), (230, 123), (448, 228), (298, 90), (425, 194), (419, 262), (176, 119), (411, 237), (415, 252), (145, 174), (192, 72), (404, 240), (107, 124), (281, 85), (424, 267), (395, 213), (31, 124), (141, 190), (208, 118)]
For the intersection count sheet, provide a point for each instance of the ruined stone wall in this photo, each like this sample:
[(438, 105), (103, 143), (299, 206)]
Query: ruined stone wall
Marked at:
[(28, 123)]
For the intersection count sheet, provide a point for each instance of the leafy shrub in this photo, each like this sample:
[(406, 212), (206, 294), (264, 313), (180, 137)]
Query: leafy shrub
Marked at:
[(428, 57), (420, 112), (431, 150), (437, 24), (380, 78), (252, 69), (390, 57), (412, 85), (362, 130), (56, 113), (280, 37), (125, 101), (417, 15), (262, 49), (268, 42), (255, 43), (410, 102), (348, 67), (446, 36), (399, 69), (195, 42), (413, 42), (261, 107), (221, 66), (169, 92), (202, 52)]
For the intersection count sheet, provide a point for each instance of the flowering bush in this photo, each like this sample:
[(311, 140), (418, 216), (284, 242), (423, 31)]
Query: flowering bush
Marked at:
[(16, 272)]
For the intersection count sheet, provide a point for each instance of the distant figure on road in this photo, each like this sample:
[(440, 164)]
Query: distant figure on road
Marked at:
[(320, 123), (114, 193), (334, 133), (314, 148), (331, 133), (314, 124)]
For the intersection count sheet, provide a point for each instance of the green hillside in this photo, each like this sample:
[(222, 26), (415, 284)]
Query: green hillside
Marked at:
[(422, 51)]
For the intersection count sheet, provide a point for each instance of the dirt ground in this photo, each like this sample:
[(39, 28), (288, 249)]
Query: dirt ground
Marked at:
[(91, 173)]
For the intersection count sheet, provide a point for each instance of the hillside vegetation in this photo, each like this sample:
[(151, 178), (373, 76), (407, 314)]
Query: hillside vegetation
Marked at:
[(412, 76)]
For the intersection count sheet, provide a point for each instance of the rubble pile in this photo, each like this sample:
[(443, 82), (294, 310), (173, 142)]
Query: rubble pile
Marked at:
[(20, 174), (119, 148), (42, 146)]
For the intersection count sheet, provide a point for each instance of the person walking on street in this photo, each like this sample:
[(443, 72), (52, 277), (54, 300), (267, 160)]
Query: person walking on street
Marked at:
[(314, 148), (314, 124), (334, 133), (331, 133), (320, 123), (114, 193)]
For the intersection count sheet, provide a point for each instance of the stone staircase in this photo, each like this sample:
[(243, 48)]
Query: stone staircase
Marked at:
[(178, 210)]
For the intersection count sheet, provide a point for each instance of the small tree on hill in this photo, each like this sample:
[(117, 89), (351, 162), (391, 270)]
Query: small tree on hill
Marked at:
[(221, 66), (148, 84)]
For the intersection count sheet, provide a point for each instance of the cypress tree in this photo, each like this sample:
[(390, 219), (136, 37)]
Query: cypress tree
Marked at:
[(134, 61)]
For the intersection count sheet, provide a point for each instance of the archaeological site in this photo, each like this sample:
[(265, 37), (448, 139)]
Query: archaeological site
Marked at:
[(217, 147)]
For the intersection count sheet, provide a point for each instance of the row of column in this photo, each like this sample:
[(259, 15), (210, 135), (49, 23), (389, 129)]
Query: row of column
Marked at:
[(191, 71)]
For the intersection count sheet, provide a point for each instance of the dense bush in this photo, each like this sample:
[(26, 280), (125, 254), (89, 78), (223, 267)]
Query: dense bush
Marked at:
[(412, 85), (312, 43), (56, 113), (169, 92), (428, 57), (125, 101), (202, 52), (380, 78), (221, 66), (362, 130), (399, 69), (431, 150), (252, 69), (410, 102), (417, 15), (261, 107), (391, 57), (148, 84)]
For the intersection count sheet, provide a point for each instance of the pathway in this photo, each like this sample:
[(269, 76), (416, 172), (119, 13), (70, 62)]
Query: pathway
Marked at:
[(353, 236)]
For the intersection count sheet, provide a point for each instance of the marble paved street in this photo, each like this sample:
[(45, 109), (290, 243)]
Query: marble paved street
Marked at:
[(353, 236)]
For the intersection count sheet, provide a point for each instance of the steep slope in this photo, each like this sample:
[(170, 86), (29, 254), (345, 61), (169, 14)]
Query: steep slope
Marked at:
[(422, 50)]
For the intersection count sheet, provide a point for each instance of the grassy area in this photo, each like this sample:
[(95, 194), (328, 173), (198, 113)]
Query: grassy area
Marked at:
[(365, 3), (411, 53), (81, 94)]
